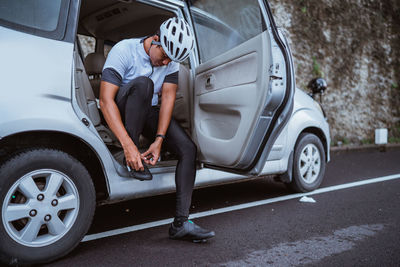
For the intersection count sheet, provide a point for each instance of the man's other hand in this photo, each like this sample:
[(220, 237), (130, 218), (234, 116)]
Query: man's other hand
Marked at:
[(133, 157), (152, 154)]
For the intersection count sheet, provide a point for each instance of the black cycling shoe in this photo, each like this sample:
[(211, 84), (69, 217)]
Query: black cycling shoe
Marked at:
[(190, 231), (140, 175)]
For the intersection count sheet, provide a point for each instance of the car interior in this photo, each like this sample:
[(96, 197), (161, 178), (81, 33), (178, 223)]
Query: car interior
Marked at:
[(107, 22)]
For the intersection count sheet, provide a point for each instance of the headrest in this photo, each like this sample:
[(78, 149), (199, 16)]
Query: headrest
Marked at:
[(94, 63)]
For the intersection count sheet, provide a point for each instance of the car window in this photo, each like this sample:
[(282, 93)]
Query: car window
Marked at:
[(221, 25), (87, 43), (41, 17)]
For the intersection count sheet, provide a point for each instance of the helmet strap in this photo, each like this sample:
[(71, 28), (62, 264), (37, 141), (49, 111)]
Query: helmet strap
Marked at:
[(155, 43)]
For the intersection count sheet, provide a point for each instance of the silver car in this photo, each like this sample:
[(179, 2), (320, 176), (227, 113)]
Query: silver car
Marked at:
[(237, 99)]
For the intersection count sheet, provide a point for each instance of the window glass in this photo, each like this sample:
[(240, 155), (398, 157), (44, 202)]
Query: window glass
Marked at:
[(87, 44), (221, 25), (37, 14)]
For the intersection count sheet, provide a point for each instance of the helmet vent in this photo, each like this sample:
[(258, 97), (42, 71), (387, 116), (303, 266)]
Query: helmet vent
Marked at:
[(180, 38), (177, 52), (171, 48), (183, 53), (169, 23), (173, 30), (165, 41)]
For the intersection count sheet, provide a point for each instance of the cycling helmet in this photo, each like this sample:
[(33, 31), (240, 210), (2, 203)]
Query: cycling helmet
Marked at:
[(176, 39)]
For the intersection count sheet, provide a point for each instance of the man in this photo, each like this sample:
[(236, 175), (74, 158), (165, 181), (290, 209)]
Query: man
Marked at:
[(134, 73)]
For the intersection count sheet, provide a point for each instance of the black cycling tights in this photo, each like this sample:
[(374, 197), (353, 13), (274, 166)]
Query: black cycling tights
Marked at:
[(134, 103)]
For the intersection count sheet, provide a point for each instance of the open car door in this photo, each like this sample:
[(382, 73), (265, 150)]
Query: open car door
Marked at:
[(244, 83)]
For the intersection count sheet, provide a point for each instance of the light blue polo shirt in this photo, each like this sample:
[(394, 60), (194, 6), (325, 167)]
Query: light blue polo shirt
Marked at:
[(130, 60)]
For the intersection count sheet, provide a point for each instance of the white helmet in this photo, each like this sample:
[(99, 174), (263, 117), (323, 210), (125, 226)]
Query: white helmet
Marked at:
[(176, 39)]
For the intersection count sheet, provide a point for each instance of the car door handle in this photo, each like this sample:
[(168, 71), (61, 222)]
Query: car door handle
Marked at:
[(210, 81)]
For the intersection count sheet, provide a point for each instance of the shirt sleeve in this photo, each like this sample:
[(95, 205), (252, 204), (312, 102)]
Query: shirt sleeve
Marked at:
[(172, 73), (118, 58), (172, 78), (112, 76)]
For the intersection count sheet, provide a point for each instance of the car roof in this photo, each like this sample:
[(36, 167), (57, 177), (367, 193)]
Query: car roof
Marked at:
[(115, 20)]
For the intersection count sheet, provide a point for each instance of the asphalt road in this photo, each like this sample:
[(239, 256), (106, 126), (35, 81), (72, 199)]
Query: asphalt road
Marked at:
[(357, 226)]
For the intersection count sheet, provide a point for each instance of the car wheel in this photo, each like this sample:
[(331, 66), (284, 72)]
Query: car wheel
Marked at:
[(308, 163), (47, 205)]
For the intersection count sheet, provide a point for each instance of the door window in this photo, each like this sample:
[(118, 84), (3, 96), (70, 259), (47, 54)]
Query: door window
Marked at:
[(41, 17), (221, 25)]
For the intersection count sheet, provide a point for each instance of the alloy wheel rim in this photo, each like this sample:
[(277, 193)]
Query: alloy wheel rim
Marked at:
[(40, 208), (309, 164)]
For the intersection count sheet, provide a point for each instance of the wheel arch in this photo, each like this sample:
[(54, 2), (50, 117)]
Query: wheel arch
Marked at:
[(286, 177), (320, 134), (65, 142)]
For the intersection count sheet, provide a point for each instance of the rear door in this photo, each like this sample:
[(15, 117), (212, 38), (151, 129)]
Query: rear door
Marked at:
[(36, 46), (244, 83)]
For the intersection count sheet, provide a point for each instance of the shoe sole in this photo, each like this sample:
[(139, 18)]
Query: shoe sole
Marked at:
[(200, 240)]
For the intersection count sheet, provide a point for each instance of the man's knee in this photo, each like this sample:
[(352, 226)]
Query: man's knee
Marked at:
[(143, 87), (189, 149)]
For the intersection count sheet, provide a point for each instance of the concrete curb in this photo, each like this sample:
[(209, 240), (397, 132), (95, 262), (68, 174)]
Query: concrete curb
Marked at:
[(381, 148)]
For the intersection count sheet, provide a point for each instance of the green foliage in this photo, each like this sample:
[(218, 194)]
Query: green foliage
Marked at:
[(304, 10), (394, 131), (317, 69), (394, 140), (395, 85), (340, 141), (367, 141), (346, 141)]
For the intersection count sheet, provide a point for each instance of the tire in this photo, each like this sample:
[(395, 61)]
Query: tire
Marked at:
[(308, 164), (47, 205)]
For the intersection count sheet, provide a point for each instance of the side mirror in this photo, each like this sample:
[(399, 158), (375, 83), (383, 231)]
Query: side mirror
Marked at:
[(317, 86)]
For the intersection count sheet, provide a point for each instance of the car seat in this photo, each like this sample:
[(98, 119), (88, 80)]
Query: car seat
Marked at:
[(181, 109), (94, 63)]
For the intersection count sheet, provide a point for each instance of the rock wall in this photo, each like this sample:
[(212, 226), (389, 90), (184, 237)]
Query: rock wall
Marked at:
[(355, 46)]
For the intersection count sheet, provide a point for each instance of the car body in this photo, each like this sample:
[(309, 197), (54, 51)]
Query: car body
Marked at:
[(237, 99)]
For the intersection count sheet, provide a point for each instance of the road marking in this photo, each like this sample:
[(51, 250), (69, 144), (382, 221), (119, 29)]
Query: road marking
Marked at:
[(308, 251), (239, 207)]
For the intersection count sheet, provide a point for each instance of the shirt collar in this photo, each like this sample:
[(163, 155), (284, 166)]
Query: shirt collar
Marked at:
[(142, 52)]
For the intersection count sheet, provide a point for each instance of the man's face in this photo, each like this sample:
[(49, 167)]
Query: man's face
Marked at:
[(158, 57)]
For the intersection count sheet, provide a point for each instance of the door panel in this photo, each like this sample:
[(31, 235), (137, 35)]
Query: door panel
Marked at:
[(244, 83), (228, 100), (242, 70)]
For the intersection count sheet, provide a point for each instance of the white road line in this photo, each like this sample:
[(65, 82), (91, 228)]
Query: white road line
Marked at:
[(238, 207)]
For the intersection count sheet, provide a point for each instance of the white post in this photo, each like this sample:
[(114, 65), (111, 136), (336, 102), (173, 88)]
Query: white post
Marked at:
[(381, 136)]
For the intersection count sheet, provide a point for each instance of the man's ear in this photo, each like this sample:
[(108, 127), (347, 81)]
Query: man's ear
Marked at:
[(156, 38)]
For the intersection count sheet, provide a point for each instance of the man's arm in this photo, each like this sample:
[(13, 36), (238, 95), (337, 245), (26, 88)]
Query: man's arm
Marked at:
[(167, 106), (113, 118)]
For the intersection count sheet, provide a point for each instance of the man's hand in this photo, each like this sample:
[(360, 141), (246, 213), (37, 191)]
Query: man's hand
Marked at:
[(133, 157), (153, 153)]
